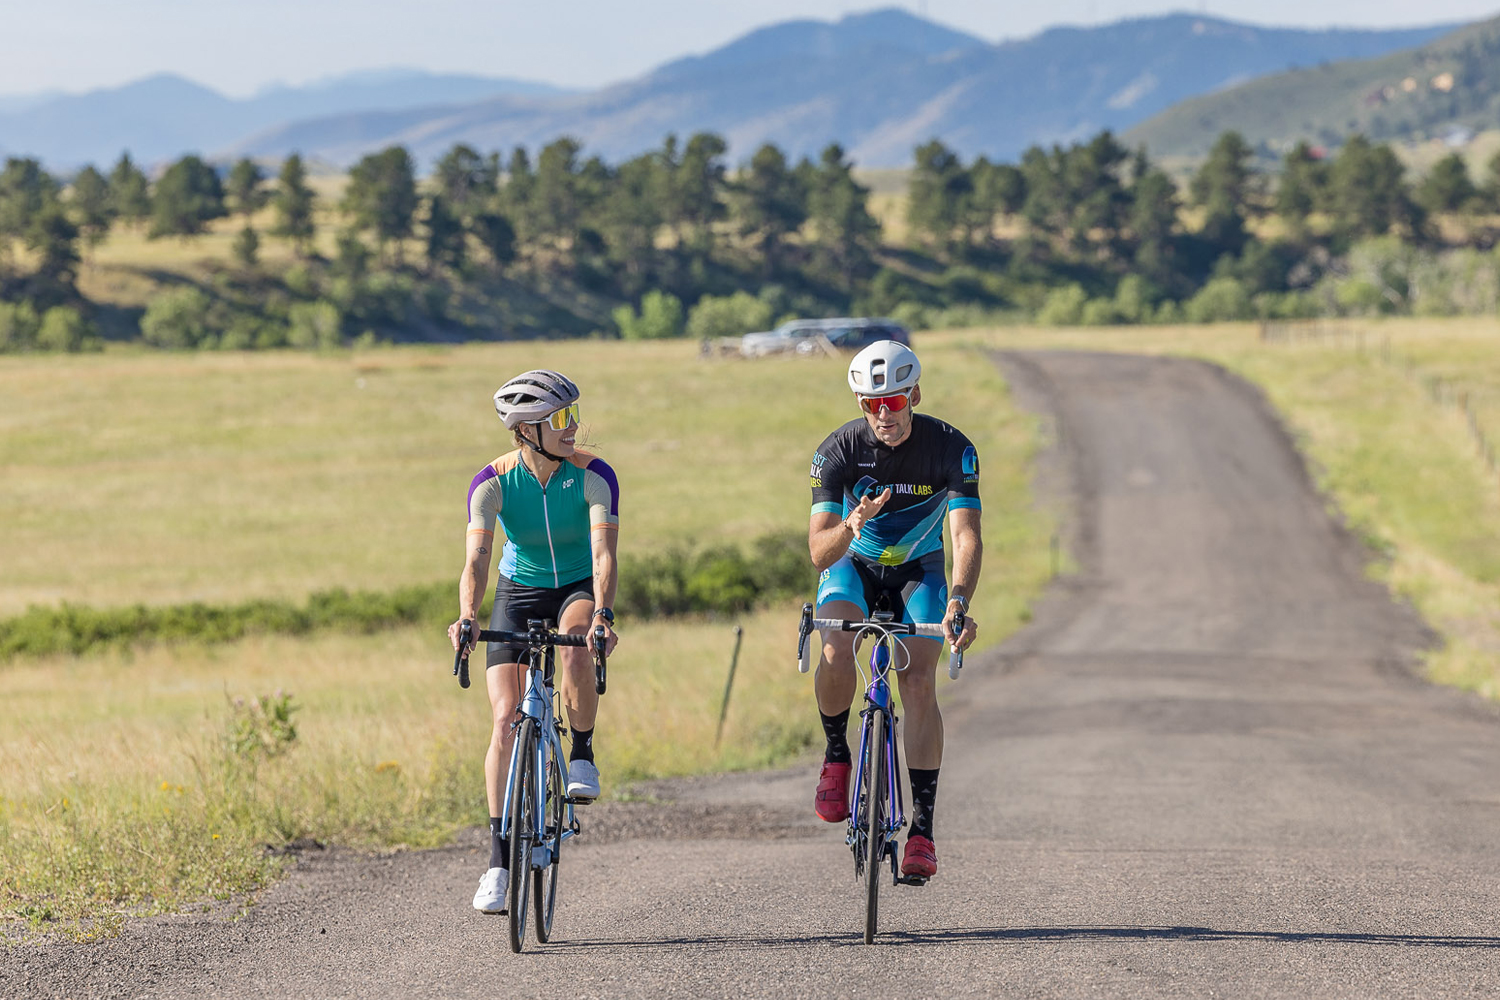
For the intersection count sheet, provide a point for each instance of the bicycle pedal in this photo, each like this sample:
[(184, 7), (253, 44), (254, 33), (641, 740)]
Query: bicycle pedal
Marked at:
[(578, 800), (917, 880)]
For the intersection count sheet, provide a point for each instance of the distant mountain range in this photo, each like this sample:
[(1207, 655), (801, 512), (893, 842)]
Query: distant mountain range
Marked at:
[(1449, 84), (164, 116), (880, 83)]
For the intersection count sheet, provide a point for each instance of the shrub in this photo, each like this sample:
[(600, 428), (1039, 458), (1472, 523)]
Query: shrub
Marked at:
[(315, 325), (63, 329), (1099, 312), (660, 317), (19, 326), (728, 316), (177, 319), (1134, 297), (1064, 306), (1221, 300)]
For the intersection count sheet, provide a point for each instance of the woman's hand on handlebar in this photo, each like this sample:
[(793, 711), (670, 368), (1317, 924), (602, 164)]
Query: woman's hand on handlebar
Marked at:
[(456, 628), (610, 639)]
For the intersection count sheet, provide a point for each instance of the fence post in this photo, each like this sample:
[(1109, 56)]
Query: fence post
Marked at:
[(739, 636)]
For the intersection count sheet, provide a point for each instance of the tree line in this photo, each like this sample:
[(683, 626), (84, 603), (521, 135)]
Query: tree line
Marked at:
[(1091, 231)]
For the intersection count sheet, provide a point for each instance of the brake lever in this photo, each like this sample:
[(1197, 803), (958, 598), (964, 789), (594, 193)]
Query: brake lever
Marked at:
[(461, 658), (956, 657), (600, 642)]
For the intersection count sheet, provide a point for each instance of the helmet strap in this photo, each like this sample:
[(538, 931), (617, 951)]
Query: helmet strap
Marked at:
[(537, 447)]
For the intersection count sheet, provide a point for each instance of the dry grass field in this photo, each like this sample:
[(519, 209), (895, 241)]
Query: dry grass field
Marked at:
[(1395, 455), (161, 478)]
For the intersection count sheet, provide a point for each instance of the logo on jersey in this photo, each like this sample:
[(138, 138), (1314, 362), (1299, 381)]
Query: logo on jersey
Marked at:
[(817, 483), (971, 465), (567, 483), (866, 488), (907, 489)]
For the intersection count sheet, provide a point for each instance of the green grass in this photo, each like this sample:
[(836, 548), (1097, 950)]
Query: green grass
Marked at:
[(168, 478)]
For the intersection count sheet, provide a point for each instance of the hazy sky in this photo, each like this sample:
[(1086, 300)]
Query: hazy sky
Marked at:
[(238, 46)]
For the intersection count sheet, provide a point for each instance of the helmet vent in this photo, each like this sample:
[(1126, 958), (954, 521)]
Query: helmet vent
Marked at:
[(902, 373)]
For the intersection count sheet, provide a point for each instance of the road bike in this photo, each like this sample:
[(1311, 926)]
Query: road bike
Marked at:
[(879, 810), (537, 814)]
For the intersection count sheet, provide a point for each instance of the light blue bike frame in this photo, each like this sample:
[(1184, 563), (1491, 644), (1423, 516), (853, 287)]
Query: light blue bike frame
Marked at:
[(537, 704)]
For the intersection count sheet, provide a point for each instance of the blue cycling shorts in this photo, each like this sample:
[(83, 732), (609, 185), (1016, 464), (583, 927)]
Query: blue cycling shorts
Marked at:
[(915, 591)]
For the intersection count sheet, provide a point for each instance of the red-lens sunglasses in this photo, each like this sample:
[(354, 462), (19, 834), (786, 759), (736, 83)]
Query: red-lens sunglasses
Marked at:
[(896, 403)]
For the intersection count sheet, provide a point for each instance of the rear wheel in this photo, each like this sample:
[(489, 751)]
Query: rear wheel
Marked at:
[(873, 823), (544, 882), (522, 829)]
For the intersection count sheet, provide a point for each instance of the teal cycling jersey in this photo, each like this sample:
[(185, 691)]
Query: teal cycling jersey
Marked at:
[(547, 528)]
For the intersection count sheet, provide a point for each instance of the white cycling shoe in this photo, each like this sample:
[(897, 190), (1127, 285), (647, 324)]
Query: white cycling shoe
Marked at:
[(490, 897), (583, 780)]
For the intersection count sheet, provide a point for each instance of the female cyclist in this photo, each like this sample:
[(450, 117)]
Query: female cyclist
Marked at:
[(559, 510)]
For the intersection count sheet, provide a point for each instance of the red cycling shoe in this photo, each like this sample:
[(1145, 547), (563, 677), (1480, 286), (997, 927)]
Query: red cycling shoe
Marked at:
[(832, 801), (920, 858)]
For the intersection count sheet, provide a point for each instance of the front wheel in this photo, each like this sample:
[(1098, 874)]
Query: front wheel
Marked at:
[(554, 812), (873, 820), (522, 829)]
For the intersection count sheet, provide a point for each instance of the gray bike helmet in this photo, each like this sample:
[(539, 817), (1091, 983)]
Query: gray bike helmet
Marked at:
[(530, 396)]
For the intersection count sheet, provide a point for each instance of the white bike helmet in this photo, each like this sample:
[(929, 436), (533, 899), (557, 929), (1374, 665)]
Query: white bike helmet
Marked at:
[(884, 367), (532, 395)]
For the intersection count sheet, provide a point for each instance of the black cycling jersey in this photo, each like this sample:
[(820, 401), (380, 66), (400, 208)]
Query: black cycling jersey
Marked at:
[(933, 471)]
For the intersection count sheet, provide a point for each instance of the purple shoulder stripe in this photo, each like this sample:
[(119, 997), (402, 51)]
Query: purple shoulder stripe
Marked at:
[(485, 474), (602, 469)]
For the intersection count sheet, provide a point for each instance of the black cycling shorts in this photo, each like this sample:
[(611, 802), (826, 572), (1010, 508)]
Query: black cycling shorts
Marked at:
[(516, 604)]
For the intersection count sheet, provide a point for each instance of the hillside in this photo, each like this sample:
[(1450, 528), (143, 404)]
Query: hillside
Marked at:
[(1452, 82), (879, 83)]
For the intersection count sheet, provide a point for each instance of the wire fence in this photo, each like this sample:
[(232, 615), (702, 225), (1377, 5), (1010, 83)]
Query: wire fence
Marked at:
[(1444, 392)]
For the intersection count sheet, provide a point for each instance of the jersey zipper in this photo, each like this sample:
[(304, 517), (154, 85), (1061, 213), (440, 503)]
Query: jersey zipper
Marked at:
[(547, 520), (547, 517)]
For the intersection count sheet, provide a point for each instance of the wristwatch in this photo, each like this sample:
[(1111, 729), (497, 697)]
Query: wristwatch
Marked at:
[(608, 614), (963, 602)]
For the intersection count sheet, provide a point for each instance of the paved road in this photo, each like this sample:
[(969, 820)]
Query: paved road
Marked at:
[(1204, 770)]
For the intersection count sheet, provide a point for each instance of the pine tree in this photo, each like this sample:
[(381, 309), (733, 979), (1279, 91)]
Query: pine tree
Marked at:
[(770, 204), (244, 188), (92, 208), (382, 197), (294, 202), (186, 199), (129, 191)]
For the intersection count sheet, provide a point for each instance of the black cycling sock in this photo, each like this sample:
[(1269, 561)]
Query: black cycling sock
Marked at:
[(583, 745), (499, 846), (923, 799), (836, 730)]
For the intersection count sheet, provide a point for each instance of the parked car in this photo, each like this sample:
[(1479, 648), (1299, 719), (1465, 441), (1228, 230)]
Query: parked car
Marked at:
[(806, 336)]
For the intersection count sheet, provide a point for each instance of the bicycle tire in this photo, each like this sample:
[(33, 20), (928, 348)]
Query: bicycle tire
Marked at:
[(874, 795), (544, 881), (522, 824)]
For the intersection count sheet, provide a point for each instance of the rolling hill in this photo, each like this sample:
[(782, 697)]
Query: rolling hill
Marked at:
[(1452, 82), (879, 83)]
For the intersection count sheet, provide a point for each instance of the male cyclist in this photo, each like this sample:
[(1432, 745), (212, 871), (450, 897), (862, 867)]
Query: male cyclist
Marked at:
[(881, 487), (560, 510)]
